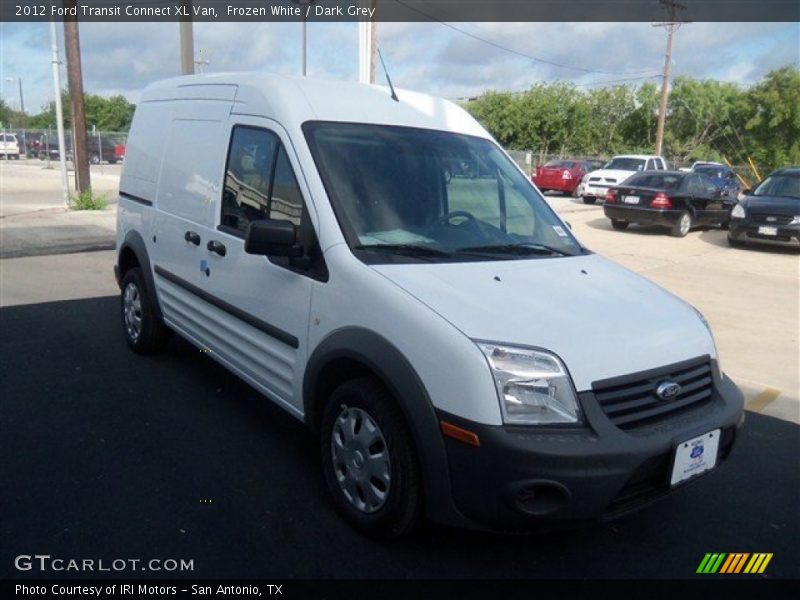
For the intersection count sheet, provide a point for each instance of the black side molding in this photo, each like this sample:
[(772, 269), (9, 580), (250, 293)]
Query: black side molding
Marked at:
[(263, 326), (136, 199)]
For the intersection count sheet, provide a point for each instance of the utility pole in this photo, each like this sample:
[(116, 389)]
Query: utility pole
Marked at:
[(59, 115), (187, 39), (373, 43), (80, 154), (671, 27), (367, 46)]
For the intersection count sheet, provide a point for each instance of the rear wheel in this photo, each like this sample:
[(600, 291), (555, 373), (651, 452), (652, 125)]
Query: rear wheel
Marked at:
[(144, 331), (369, 461), (683, 225), (589, 200), (620, 225), (95, 159)]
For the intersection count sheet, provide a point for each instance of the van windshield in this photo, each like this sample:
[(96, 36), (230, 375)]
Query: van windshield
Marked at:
[(431, 195)]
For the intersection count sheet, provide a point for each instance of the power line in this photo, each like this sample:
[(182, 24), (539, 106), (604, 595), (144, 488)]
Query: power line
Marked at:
[(511, 50)]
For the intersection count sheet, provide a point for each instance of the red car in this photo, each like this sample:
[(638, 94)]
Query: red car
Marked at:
[(560, 175)]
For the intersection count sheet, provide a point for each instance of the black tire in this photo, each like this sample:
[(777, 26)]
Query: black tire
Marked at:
[(398, 512), (589, 200), (151, 334), (734, 243), (680, 229), (619, 225), (95, 160)]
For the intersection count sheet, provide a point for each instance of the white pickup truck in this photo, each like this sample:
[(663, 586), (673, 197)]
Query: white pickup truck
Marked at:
[(595, 184)]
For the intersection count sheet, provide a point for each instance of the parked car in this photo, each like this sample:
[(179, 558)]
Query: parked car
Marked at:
[(560, 175), (701, 163), (105, 149), (9, 147), (769, 213), (676, 200), (615, 171), (723, 176), (385, 273)]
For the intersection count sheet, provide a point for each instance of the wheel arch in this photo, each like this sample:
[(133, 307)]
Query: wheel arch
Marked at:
[(133, 253), (354, 352)]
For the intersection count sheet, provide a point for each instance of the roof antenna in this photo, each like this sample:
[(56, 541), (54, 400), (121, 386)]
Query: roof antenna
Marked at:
[(389, 79)]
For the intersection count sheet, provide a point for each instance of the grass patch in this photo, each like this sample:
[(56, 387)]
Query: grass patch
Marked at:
[(87, 200)]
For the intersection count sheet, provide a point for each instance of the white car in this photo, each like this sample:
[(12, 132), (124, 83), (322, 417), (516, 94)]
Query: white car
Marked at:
[(595, 184), (381, 269), (9, 146)]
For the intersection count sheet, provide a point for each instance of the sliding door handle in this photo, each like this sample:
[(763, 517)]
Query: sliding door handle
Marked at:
[(192, 237), (216, 247)]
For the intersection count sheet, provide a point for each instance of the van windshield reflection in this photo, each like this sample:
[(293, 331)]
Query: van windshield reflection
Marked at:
[(432, 195)]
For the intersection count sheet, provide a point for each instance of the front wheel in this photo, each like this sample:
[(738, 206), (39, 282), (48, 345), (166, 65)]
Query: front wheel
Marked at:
[(369, 461), (144, 331), (683, 225), (619, 225), (734, 243), (589, 200)]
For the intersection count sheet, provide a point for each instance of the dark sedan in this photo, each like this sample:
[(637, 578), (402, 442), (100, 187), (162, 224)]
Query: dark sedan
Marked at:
[(770, 213), (675, 200)]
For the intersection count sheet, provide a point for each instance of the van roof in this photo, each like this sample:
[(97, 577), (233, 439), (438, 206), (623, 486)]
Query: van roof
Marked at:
[(294, 100)]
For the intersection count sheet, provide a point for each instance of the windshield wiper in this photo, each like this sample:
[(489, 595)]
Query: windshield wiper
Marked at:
[(521, 249), (405, 249)]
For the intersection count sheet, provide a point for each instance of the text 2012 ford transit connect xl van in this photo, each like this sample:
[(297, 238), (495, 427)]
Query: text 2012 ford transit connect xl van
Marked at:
[(383, 271)]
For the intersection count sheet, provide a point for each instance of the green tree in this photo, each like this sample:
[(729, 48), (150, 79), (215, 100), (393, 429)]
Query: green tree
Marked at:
[(774, 122)]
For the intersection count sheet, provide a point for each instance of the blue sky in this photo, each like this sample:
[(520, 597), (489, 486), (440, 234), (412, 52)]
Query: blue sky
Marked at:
[(430, 57)]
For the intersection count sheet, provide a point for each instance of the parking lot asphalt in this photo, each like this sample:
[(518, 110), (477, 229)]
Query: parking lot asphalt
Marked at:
[(108, 454)]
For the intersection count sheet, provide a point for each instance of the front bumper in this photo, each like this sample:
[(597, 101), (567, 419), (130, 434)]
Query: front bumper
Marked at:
[(589, 190), (528, 478), (641, 215), (745, 230)]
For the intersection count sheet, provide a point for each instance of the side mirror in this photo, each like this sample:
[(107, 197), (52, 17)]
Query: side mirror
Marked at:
[(269, 237), (747, 191)]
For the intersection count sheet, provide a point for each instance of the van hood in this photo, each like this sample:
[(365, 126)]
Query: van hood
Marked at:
[(616, 174), (599, 318)]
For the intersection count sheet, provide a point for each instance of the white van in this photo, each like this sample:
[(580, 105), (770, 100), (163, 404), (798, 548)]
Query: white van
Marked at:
[(383, 271)]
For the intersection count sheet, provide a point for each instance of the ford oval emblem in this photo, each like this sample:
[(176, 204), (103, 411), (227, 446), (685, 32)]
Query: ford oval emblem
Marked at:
[(668, 390)]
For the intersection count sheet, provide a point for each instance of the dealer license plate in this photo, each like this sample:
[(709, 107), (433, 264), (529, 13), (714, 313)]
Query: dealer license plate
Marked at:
[(768, 230), (630, 199), (695, 456)]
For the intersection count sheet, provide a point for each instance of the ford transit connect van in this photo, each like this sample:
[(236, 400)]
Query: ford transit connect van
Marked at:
[(384, 272)]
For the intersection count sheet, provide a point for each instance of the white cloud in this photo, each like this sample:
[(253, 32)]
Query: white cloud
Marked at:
[(431, 57)]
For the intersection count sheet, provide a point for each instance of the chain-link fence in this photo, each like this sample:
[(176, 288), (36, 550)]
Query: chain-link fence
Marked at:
[(104, 147)]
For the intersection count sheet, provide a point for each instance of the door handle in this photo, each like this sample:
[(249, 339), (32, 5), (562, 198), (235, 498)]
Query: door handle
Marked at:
[(216, 247), (192, 237)]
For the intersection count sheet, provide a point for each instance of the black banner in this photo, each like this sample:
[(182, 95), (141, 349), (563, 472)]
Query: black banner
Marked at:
[(400, 10), (334, 589)]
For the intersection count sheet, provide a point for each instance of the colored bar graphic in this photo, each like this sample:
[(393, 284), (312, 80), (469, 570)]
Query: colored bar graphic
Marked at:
[(724, 563)]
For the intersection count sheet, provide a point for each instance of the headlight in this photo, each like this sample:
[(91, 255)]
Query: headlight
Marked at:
[(533, 386), (738, 212), (795, 221)]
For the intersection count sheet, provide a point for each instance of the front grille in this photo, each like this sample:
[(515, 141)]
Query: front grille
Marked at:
[(773, 219), (594, 178), (631, 401), (610, 180)]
